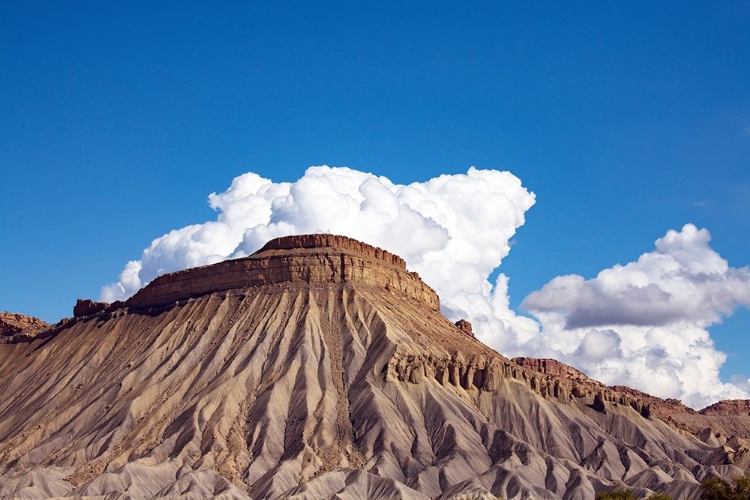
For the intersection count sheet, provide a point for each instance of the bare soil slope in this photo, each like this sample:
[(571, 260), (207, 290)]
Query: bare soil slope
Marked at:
[(329, 374)]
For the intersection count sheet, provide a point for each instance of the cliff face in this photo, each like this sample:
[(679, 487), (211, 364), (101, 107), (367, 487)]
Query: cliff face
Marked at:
[(338, 242), (316, 258)]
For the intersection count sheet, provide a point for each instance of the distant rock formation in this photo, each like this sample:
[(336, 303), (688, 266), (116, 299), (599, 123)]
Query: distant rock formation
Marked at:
[(14, 324), (550, 366), (661, 407), (714, 424)]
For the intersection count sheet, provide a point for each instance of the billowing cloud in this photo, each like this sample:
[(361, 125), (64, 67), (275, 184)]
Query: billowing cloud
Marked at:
[(684, 279), (644, 324)]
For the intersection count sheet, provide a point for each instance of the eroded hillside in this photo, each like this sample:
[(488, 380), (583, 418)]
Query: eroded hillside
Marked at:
[(318, 367)]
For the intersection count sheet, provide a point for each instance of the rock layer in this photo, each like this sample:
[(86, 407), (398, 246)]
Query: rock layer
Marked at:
[(333, 241), (316, 258), (555, 368)]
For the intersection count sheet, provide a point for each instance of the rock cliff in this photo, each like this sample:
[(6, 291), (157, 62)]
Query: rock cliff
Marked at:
[(313, 258), (333, 241)]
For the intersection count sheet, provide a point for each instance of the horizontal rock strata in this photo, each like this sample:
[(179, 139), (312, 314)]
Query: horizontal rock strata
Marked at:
[(333, 241), (317, 258)]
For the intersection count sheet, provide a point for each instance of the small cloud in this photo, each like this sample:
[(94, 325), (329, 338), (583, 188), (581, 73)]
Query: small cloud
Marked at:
[(746, 131), (701, 204), (741, 381)]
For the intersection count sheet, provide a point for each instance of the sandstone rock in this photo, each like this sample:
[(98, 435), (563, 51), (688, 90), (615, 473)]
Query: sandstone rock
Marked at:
[(728, 407), (465, 327), (598, 404), (727, 418), (307, 241), (86, 307), (553, 367), (13, 324), (315, 258), (660, 407)]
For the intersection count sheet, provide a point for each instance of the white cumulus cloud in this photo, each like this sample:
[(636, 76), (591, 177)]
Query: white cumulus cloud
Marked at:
[(645, 324)]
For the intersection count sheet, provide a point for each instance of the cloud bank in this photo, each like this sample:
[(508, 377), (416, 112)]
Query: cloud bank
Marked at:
[(642, 324)]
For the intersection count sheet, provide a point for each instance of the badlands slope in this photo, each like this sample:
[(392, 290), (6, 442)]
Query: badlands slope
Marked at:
[(319, 367)]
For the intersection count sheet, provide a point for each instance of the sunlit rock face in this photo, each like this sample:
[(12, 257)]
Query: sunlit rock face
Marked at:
[(15, 326), (314, 258), (319, 367)]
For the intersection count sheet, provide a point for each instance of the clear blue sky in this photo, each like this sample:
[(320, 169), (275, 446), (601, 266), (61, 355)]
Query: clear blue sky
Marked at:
[(117, 120)]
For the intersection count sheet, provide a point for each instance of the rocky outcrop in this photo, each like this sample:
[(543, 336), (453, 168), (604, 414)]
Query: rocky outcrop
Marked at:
[(645, 404), (661, 407), (477, 370), (318, 258), (728, 407), (333, 241), (598, 403), (465, 327), (14, 324), (716, 425), (86, 307), (553, 367)]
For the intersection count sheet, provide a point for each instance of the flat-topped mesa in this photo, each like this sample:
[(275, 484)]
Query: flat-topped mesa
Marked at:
[(312, 258)]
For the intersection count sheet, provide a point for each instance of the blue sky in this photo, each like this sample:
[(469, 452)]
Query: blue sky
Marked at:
[(625, 119)]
